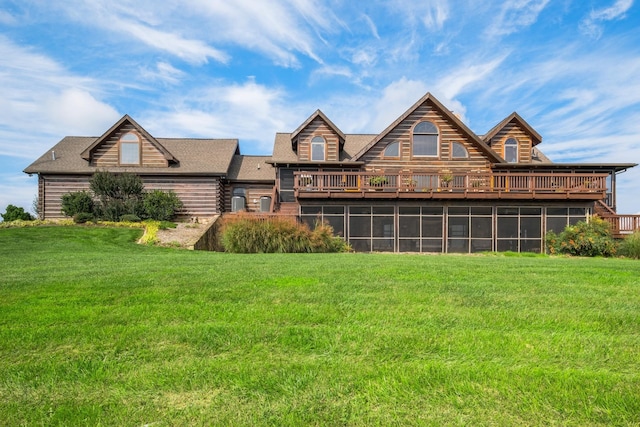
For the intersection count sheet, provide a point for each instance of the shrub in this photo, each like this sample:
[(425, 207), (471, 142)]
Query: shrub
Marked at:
[(77, 202), (15, 213), (130, 218), (251, 234), (161, 205), (83, 217), (591, 238), (630, 246)]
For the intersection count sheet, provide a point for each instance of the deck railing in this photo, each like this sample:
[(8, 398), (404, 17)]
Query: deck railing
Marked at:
[(444, 181), (622, 224)]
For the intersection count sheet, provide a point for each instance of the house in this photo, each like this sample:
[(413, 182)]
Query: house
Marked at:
[(427, 183)]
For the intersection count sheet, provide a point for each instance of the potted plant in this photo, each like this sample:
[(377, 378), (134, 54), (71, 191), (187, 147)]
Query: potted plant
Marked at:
[(306, 180), (378, 181), (445, 178)]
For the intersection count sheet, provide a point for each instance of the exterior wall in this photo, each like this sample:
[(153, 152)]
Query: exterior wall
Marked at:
[(201, 196), (512, 130), (454, 227), (107, 154), (252, 194), (402, 133), (318, 127)]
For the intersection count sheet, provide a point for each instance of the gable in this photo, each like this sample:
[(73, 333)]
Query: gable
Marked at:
[(514, 128), (143, 150), (318, 126), (451, 132)]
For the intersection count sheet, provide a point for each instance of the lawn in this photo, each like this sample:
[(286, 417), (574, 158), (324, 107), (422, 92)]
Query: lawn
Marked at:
[(96, 330)]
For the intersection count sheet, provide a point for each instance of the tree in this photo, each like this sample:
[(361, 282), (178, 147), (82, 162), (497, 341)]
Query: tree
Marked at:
[(117, 195), (15, 213)]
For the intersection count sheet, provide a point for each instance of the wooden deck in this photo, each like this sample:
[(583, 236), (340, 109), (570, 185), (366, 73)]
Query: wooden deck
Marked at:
[(442, 185)]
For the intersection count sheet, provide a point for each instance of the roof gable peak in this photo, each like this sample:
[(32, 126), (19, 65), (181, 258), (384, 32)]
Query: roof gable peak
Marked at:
[(515, 118), (318, 114), (126, 119)]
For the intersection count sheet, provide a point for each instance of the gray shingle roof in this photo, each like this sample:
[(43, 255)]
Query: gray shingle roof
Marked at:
[(251, 168), (194, 156)]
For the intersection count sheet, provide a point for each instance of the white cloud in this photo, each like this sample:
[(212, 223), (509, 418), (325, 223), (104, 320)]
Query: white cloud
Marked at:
[(163, 72), (371, 25), (454, 82), (41, 102), (18, 190), (396, 99), (192, 51), (591, 24), (436, 15), (250, 111), (515, 15), (78, 112)]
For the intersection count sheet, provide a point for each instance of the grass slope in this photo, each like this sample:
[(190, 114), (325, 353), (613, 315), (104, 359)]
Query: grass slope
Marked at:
[(95, 330)]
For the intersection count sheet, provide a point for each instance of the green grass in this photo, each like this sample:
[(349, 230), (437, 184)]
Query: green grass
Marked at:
[(95, 330)]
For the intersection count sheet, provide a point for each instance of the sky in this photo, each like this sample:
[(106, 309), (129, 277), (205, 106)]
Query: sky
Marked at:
[(247, 69)]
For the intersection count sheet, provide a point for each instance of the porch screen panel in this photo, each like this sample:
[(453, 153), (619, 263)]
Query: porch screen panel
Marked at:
[(372, 228), (432, 228), (458, 229), (409, 229), (286, 185), (481, 229), (519, 229), (332, 215)]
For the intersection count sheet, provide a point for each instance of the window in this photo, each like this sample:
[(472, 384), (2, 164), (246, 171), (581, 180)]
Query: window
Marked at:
[(392, 150), (317, 149), (511, 150), (129, 149), (425, 140), (458, 151)]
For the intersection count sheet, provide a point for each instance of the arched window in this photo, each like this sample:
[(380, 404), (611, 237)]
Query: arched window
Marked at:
[(511, 150), (129, 149), (458, 151), (392, 150), (425, 140), (317, 149)]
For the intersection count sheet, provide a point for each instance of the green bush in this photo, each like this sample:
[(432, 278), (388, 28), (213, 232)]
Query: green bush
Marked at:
[(591, 238), (251, 234), (630, 246), (82, 217), (15, 213), (77, 202), (130, 218), (161, 205)]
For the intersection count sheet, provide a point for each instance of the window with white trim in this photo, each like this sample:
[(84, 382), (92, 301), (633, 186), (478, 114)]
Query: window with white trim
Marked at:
[(129, 149), (511, 150), (425, 140), (318, 149), (458, 151)]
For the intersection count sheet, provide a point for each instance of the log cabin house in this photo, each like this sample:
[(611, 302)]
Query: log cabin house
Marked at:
[(427, 183)]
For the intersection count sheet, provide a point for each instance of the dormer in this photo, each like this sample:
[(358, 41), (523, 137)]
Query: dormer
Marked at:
[(127, 144), (514, 139), (318, 140)]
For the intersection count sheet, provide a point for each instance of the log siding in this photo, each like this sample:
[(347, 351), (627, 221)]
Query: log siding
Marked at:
[(512, 130), (108, 153), (201, 196), (319, 127)]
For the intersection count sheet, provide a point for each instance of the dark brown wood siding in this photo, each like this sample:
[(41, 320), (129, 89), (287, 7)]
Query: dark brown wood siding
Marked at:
[(318, 127), (448, 133), (201, 196), (107, 154), (512, 130)]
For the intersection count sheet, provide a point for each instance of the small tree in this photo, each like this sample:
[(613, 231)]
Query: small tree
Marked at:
[(117, 195), (15, 213)]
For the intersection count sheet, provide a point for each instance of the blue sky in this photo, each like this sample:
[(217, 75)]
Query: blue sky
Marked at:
[(247, 69)]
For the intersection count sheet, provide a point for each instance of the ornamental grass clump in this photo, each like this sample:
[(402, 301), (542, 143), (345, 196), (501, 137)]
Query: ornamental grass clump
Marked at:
[(591, 238), (244, 233), (630, 246)]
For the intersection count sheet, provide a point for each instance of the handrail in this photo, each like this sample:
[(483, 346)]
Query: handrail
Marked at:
[(622, 224), (452, 181)]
